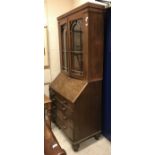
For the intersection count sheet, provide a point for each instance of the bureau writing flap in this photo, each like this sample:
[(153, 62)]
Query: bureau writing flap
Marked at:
[(68, 87)]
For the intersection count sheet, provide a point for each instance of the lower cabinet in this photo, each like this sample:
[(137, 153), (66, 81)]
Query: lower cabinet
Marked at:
[(79, 117)]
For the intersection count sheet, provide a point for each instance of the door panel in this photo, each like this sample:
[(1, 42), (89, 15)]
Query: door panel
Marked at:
[(76, 28)]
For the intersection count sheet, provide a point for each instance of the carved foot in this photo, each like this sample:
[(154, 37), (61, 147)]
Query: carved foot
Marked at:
[(97, 136), (76, 147)]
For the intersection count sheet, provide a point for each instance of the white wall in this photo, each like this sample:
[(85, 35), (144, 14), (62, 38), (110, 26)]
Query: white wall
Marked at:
[(54, 8), (80, 2), (47, 71)]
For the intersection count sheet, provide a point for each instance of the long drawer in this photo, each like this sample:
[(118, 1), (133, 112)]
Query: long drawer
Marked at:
[(65, 126)]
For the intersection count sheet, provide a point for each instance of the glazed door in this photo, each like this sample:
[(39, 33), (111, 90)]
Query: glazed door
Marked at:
[(63, 34), (76, 47)]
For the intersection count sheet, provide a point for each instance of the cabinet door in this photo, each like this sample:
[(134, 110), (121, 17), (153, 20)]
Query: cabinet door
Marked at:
[(64, 46), (76, 43)]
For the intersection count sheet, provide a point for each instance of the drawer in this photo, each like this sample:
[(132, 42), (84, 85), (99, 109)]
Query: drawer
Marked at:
[(65, 127), (69, 123), (64, 108), (61, 116), (69, 132), (61, 106), (63, 101), (59, 122), (66, 111), (66, 120)]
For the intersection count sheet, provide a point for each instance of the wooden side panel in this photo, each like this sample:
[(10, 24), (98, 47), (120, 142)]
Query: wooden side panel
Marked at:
[(87, 114), (95, 49)]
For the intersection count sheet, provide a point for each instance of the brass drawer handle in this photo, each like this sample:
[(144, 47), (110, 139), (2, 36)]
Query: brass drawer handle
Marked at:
[(64, 108), (64, 117), (64, 127), (53, 99), (60, 101)]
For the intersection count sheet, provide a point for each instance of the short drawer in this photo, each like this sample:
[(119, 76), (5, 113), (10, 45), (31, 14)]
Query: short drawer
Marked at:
[(67, 113), (64, 108), (61, 106), (61, 116)]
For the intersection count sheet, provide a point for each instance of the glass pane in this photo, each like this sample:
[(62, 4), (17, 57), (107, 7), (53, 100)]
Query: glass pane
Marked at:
[(64, 47), (64, 38), (76, 52), (77, 44), (77, 62), (77, 35), (65, 65)]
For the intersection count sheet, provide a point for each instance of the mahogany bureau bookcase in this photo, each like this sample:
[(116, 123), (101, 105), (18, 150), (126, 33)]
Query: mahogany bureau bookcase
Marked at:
[(76, 92)]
